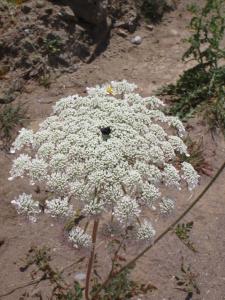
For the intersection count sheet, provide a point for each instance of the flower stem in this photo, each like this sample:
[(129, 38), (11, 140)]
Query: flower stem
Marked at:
[(91, 259)]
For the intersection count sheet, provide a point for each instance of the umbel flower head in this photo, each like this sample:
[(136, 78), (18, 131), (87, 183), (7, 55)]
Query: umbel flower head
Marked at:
[(110, 151)]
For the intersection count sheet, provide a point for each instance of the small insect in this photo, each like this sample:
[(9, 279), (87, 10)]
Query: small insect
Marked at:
[(109, 90), (105, 130), (105, 133)]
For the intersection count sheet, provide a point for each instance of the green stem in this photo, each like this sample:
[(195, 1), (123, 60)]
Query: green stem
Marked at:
[(86, 226)]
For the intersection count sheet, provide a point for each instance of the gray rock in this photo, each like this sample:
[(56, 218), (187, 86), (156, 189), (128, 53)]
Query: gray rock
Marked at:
[(174, 32), (80, 29), (48, 11), (122, 33), (27, 44), (157, 8), (132, 25), (67, 14), (119, 24), (150, 27), (27, 30), (91, 11), (136, 40), (81, 50), (129, 25), (26, 9), (172, 4), (40, 4)]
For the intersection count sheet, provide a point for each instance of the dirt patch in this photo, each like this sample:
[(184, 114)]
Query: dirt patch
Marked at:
[(38, 39), (42, 39)]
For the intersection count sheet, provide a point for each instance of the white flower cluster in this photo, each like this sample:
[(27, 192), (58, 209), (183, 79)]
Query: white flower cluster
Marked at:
[(111, 150), (166, 205), (190, 175), (171, 176), (150, 193), (21, 165), (126, 210), (94, 208), (79, 238), (59, 207), (25, 137), (145, 231), (27, 206)]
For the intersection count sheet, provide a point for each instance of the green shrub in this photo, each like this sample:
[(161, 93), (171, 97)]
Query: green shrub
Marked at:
[(153, 9), (11, 118), (202, 86)]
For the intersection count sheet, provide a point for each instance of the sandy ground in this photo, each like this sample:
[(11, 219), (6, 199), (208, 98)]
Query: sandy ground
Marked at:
[(155, 62)]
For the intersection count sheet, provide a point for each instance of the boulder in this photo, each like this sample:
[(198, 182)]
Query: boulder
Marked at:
[(91, 11)]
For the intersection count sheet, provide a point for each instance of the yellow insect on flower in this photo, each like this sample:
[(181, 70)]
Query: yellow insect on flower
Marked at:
[(109, 90)]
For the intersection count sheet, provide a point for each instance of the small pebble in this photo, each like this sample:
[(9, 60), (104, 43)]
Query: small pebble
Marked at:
[(40, 4), (174, 32), (79, 276), (25, 9), (122, 33), (150, 27), (137, 40)]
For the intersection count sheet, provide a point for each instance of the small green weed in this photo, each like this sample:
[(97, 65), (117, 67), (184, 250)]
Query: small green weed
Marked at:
[(45, 80), (40, 258), (12, 117), (53, 45), (201, 88), (186, 281), (122, 287), (182, 231)]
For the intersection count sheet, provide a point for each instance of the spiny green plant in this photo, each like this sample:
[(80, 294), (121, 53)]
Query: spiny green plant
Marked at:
[(40, 259), (182, 231), (204, 83), (12, 117), (52, 46), (187, 281), (120, 288)]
